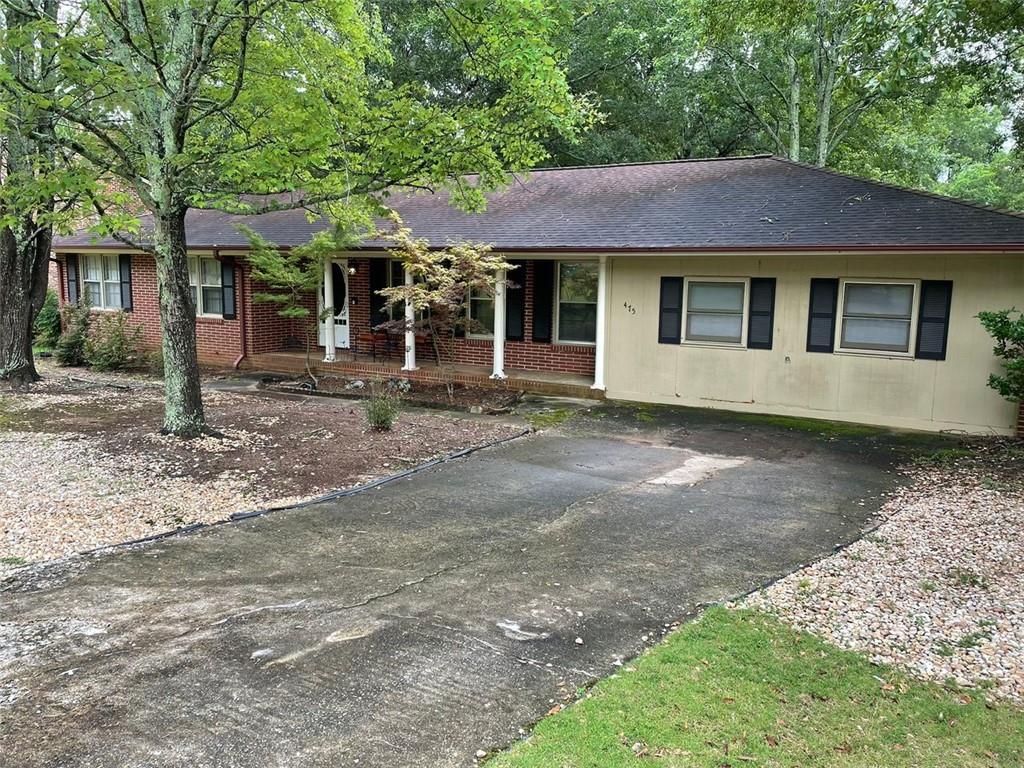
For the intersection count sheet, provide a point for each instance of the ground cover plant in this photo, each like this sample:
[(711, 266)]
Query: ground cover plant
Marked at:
[(739, 688)]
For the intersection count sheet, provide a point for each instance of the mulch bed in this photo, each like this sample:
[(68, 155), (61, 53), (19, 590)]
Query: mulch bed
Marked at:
[(419, 393), (84, 463)]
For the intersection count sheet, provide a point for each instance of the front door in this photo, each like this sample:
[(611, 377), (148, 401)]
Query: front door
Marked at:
[(339, 272)]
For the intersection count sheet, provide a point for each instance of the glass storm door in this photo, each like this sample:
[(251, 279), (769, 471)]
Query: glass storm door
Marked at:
[(339, 271)]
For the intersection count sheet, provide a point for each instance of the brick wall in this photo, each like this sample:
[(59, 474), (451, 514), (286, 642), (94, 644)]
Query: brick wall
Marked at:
[(527, 355), (519, 355), (265, 329), (218, 341)]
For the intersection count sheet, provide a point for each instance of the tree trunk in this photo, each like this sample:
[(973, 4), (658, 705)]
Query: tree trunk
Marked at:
[(825, 52), (794, 108), (23, 272), (183, 401), (26, 154)]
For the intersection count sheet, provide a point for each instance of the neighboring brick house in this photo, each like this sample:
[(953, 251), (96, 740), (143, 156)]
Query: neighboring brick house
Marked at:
[(755, 284)]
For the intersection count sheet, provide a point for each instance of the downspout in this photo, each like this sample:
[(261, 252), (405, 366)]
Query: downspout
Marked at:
[(240, 312)]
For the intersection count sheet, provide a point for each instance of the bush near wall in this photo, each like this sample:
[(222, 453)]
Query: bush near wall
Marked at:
[(47, 326), (112, 343)]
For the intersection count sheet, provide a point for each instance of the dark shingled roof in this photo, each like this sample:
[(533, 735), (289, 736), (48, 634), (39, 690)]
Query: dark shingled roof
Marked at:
[(744, 203)]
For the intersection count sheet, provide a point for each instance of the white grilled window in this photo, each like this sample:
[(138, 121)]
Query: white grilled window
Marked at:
[(204, 277), (101, 280)]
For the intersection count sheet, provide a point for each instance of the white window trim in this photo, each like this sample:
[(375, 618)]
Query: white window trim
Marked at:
[(841, 309), (469, 310), (394, 309), (103, 282), (558, 302), (742, 343), (199, 285)]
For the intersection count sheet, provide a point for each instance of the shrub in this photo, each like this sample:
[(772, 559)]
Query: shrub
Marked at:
[(112, 344), (47, 327), (1007, 328), (70, 347), (382, 409), (155, 362)]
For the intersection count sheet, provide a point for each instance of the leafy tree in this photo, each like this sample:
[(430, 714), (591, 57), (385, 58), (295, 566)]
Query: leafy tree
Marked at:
[(34, 185), (1007, 328), (806, 72), (259, 105), (985, 41), (443, 280)]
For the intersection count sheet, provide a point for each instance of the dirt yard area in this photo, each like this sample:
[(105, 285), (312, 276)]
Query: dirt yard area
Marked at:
[(938, 587), (83, 464), (461, 397)]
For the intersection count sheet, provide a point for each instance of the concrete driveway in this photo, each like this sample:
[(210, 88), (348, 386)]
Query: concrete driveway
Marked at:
[(418, 623)]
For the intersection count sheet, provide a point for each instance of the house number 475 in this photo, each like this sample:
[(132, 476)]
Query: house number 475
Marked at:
[(629, 307)]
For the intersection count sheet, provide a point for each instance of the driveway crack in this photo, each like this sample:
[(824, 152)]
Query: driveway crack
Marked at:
[(414, 582)]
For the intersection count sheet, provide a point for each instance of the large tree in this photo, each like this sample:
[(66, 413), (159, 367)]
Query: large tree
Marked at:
[(207, 103), (30, 186), (806, 72)]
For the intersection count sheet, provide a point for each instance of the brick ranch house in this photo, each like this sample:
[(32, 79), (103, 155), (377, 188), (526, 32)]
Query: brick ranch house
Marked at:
[(752, 284)]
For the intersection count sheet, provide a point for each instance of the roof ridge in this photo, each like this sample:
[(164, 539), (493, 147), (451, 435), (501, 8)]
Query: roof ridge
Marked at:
[(901, 188), (763, 156)]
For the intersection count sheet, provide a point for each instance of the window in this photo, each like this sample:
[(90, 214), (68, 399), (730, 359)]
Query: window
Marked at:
[(877, 316), (204, 275), (101, 280), (715, 310), (577, 302), (396, 277), (481, 310)]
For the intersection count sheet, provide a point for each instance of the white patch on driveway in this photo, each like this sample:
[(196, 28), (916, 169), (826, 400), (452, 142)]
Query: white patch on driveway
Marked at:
[(513, 631), (697, 469)]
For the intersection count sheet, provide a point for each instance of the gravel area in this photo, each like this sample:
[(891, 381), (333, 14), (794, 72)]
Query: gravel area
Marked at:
[(83, 464), (938, 587)]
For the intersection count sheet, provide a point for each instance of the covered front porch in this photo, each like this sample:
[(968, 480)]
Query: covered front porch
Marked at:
[(541, 329), (351, 364)]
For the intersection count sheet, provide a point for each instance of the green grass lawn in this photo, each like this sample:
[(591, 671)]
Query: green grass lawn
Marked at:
[(742, 689)]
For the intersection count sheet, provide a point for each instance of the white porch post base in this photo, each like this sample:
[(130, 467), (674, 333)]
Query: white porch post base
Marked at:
[(599, 346), (498, 362), (329, 335), (410, 334)]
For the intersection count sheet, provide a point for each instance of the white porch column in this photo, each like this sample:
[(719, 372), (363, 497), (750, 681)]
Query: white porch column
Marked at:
[(329, 337), (602, 303), (498, 367), (410, 333)]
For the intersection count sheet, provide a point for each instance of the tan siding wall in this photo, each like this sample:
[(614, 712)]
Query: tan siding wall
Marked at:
[(891, 391)]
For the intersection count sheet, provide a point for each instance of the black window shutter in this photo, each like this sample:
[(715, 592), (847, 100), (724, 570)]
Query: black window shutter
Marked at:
[(125, 267), (670, 311), (378, 281), (821, 327), (761, 324), (227, 290), (543, 300), (933, 319), (515, 302), (71, 264)]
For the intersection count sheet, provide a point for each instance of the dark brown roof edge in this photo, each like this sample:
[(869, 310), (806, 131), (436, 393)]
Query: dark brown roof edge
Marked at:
[(677, 161), (899, 188), (965, 248)]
